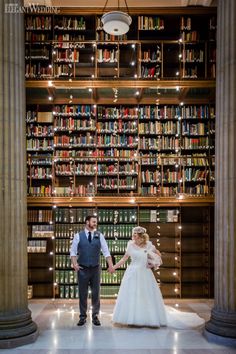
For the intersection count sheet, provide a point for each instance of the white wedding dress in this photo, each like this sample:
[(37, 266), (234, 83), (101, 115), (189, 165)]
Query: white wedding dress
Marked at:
[(140, 301)]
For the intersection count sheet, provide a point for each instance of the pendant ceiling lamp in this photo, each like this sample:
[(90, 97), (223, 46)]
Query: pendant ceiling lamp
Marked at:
[(116, 22)]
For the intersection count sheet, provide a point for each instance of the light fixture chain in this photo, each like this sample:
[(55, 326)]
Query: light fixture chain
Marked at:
[(126, 6), (105, 6)]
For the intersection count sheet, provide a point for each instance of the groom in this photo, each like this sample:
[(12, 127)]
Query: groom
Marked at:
[(87, 244)]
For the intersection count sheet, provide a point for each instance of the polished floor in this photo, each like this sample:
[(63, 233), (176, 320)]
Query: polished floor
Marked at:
[(56, 320)]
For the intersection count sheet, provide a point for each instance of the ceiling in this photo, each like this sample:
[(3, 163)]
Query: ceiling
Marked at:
[(114, 3)]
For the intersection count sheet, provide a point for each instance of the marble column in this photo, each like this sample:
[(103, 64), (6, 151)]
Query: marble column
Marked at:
[(16, 325), (222, 324)]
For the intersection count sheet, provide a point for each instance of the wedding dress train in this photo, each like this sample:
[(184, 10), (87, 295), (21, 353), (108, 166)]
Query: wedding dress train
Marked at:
[(140, 301)]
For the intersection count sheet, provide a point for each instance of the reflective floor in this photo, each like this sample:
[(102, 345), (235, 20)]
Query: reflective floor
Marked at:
[(59, 334)]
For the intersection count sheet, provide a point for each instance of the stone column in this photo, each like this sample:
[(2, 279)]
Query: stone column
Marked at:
[(16, 325), (222, 325)]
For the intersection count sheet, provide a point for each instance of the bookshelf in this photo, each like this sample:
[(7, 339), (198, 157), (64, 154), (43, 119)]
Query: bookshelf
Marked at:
[(141, 150), (40, 251), (96, 150), (70, 46)]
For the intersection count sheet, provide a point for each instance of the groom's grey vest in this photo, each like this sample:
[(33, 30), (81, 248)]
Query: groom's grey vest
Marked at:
[(89, 253)]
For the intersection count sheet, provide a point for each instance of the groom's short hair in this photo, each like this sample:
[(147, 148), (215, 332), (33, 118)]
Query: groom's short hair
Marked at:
[(89, 217)]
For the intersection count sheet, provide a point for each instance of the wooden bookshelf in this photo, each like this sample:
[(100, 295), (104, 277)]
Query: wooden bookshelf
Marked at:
[(140, 153)]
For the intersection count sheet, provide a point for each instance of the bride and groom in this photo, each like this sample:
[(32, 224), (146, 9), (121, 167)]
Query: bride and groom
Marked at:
[(139, 300)]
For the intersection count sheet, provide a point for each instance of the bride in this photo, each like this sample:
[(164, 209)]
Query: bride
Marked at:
[(139, 300)]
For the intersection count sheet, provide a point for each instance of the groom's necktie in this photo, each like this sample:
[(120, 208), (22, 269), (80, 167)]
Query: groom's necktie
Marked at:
[(89, 237)]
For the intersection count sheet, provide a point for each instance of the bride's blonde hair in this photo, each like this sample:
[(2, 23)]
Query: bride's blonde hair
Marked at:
[(142, 233)]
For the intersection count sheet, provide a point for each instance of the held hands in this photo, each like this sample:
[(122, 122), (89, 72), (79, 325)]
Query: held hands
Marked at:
[(111, 269)]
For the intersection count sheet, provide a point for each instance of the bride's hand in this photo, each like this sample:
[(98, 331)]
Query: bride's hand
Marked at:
[(111, 270)]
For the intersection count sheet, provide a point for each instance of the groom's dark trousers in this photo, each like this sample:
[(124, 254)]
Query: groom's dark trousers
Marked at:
[(89, 276)]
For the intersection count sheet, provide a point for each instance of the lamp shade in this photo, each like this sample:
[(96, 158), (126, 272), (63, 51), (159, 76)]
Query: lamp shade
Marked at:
[(116, 22)]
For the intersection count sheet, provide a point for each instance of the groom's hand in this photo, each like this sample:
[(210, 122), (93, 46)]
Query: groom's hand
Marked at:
[(111, 269), (76, 267)]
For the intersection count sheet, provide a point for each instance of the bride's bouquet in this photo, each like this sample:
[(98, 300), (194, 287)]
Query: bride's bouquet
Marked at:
[(153, 260)]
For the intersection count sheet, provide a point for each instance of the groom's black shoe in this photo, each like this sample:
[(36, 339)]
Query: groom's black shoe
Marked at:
[(96, 321), (81, 322)]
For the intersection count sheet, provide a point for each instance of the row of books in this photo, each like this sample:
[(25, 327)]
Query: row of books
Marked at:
[(169, 127), (41, 53), (39, 130), (128, 168), (117, 112), (38, 23), (66, 277), (115, 278), (150, 23), (198, 190), (117, 215), (190, 73), (68, 291), (117, 126), (117, 246), (116, 140), (192, 174), (70, 23), (68, 40), (39, 144), (117, 257), (196, 143), (160, 143), (61, 123), (79, 190), (62, 246), (37, 37), (185, 23), (147, 72), (151, 55), (126, 183), (156, 127), (62, 262), (117, 231), (38, 70), (67, 230), (74, 110), (151, 190), (151, 177), (40, 172), (67, 55), (174, 112), (74, 140), (193, 55), (159, 215), (152, 158), (38, 231), (37, 246), (171, 177), (72, 215), (40, 191), (77, 169), (39, 215), (194, 129), (107, 56), (110, 291), (192, 36)]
